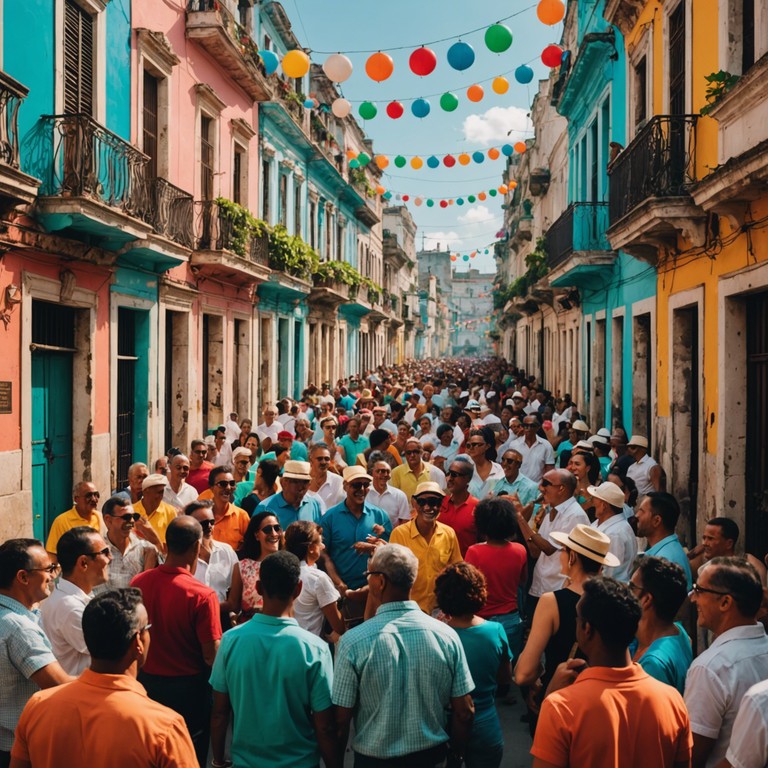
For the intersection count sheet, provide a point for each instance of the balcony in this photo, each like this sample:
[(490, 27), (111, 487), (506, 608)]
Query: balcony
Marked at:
[(172, 213), (228, 252), (330, 293), (369, 213), (15, 187), (577, 246), (650, 182), (214, 28)]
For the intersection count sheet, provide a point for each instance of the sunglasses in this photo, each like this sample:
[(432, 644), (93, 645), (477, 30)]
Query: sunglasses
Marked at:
[(129, 517), (546, 483), (104, 552), (271, 529), (359, 486), (512, 461), (226, 483), (200, 453), (413, 452), (430, 501), (52, 569), (209, 523), (475, 445), (454, 473)]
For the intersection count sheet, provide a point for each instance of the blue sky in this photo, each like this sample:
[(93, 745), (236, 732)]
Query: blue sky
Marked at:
[(347, 26)]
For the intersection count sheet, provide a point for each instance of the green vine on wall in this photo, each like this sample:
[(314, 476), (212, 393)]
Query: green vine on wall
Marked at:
[(243, 225), (719, 84), (359, 179), (536, 261), (291, 254)]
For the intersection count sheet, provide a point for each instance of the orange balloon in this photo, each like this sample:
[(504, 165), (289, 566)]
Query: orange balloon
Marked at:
[(380, 190), (503, 189), (500, 84), (512, 184), (493, 153), (351, 154), (450, 202), (379, 66), (416, 163), (475, 93), (464, 159), (550, 12), (382, 161), (453, 257), (481, 196), (520, 147)]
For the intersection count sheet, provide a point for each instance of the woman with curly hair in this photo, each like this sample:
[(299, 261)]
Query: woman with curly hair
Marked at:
[(461, 593)]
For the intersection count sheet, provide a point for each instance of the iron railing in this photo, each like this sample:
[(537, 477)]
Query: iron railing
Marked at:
[(12, 94), (581, 227), (659, 162), (172, 214), (88, 160), (217, 232)]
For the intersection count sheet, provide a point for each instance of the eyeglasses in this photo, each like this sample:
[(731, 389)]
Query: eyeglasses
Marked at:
[(129, 517), (430, 501), (51, 569), (454, 473), (413, 452), (226, 483), (91, 495), (635, 587), (271, 529), (359, 486), (200, 453), (511, 461), (530, 426), (106, 552), (475, 445), (697, 590), (209, 523), (366, 574)]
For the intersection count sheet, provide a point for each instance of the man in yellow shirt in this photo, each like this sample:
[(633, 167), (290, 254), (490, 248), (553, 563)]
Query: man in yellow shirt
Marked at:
[(85, 512), (152, 508), (415, 470), (434, 544)]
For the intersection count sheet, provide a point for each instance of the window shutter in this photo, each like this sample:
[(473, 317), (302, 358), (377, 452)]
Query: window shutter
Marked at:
[(78, 60)]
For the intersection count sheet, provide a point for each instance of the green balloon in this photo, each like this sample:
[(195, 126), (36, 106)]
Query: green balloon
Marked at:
[(367, 110), (448, 102), (354, 163), (430, 203), (492, 192), (498, 38), (471, 198), (400, 161), (363, 159)]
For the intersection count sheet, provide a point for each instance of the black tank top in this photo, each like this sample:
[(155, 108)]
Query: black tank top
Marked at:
[(560, 644)]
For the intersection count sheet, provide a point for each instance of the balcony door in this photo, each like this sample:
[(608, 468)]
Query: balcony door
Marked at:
[(677, 75), (79, 60)]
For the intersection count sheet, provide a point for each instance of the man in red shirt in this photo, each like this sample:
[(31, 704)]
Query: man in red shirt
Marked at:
[(199, 468), (186, 630), (458, 508)]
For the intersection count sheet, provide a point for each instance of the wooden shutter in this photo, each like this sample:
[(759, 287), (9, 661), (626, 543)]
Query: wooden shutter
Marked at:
[(78, 60)]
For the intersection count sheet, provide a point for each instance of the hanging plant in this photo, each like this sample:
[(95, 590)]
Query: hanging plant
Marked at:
[(719, 84)]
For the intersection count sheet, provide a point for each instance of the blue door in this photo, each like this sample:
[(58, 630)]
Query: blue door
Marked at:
[(51, 438)]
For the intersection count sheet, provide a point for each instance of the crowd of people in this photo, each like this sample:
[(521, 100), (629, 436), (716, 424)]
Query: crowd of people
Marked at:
[(373, 568)]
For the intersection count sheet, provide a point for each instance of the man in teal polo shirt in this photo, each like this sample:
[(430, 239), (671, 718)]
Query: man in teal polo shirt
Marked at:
[(292, 503), (270, 654), (353, 443), (349, 529), (297, 449)]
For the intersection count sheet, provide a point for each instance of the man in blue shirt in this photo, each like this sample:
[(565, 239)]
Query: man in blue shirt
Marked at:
[(272, 653), (292, 503), (514, 481), (353, 443), (657, 517)]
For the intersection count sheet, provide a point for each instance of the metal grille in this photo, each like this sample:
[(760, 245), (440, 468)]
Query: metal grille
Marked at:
[(126, 391), (756, 512), (581, 227), (78, 59), (53, 325), (206, 157), (150, 123)]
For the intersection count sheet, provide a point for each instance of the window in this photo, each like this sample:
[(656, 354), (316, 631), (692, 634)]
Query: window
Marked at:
[(297, 209), (206, 157), (267, 43), (265, 198), (677, 60), (640, 107), (748, 33), (78, 60), (339, 241), (313, 223), (239, 164), (594, 172), (149, 129), (283, 212)]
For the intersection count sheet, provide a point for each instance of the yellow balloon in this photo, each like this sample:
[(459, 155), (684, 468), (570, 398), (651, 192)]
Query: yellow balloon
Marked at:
[(416, 163), (296, 63), (464, 159), (500, 85)]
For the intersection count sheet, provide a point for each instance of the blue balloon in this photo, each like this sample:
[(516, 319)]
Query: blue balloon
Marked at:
[(433, 162), (388, 195), (460, 201), (420, 108), (524, 74), (507, 150), (465, 257), (270, 61), (461, 55), (309, 103), (478, 157)]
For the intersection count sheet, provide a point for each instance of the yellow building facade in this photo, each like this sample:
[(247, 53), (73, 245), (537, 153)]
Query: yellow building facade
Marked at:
[(689, 195)]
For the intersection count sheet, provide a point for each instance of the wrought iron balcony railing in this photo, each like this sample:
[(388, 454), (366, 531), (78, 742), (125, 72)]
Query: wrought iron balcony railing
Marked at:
[(172, 213), (217, 232), (88, 160), (12, 94), (581, 227), (659, 162)]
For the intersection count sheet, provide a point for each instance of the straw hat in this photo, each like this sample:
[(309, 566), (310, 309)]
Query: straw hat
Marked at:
[(428, 488), (589, 542), (241, 452), (152, 480), (355, 472), (580, 426), (639, 441), (608, 492), (296, 470)]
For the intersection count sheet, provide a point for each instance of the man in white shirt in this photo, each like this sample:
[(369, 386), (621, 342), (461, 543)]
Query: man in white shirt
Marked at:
[(327, 486), (646, 472), (749, 737), (269, 428), (178, 493), (727, 595), (217, 558), (84, 558), (537, 453), (610, 520), (381, 421), (392, 500)]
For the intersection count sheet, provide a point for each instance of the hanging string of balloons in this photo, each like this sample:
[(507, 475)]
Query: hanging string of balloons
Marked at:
[(446, 202)]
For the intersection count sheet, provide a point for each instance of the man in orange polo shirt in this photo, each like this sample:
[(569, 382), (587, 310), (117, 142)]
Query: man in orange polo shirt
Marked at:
[(105, 711), (231, 521)]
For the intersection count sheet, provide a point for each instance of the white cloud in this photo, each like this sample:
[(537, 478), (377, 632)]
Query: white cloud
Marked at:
[(434, 240), (493, 126), (477, 215)]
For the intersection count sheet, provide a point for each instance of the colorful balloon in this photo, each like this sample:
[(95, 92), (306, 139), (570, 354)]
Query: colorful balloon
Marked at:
[(500, 84), (400, 161), (367, 110), (460, 201), (520, 147), (337, 67), (422, 61), (379, 66), (471, 199), (387, 195), (364, 158), (382, 161), (454, 257), (433, 162), (417, 202), (354, 163), (503, 189), (395, 110), (550, 12), (461, 55), (406, 198), (498, 38), (507, 150), (443, 203), (309, 103), (475, 93), (380, 190), (481, 195), (448, 102), (524, 74), (465, 257), (430, 203), (270, 61), (493, 192), (464, 159), (552, 56), (449, 161), (416, 163), (420, 108), (478, 157), (350, 154), (493, 153), (295, 63), (341, 108)]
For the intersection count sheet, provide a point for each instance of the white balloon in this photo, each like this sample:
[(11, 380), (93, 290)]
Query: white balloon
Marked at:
[(341, 107), (338, 67)]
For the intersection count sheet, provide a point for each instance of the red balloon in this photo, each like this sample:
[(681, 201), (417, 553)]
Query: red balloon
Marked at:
[(443, 203), (422, 61), (395, 109), (406, 198), (449, 161), (552, 56)]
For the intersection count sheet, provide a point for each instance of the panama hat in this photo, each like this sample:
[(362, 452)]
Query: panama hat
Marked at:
[(639, 441), (152, 480), (580, 426), (589, 542), (296, 470), (608, 492), (422, 489), (355, 473)]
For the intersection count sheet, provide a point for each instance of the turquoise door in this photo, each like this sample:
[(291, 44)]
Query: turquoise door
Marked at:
[(51, 438)]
